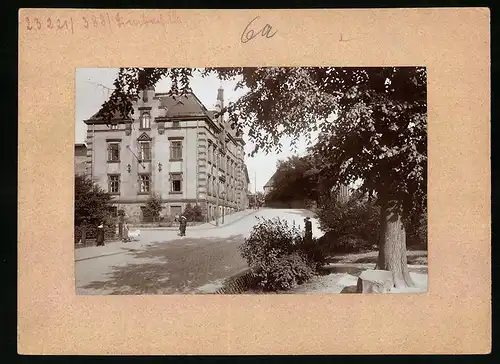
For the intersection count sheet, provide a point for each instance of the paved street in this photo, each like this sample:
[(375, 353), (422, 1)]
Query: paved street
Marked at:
[(164, 263)]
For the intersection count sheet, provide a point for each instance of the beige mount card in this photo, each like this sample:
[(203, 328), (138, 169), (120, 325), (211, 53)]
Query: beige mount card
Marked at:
[(454, 316)]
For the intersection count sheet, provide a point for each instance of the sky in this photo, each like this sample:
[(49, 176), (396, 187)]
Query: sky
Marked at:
[(93, 88)]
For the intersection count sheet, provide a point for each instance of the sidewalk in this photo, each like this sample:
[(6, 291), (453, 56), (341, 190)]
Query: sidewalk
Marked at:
[(110, 248), (118, 247)]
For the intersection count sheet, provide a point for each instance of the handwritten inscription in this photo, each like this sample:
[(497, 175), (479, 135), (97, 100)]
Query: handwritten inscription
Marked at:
[(101, 20), (249, 33), (49, 23)]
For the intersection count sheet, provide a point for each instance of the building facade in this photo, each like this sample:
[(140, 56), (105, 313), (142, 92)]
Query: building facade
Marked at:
[(173, 147), (80, 159)]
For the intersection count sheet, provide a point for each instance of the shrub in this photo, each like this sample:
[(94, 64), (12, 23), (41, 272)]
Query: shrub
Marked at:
[(91, 202), (198, 213), (278, 255), (91, 207), (193, 213), (153, 208), (283, 272), (351, 225)]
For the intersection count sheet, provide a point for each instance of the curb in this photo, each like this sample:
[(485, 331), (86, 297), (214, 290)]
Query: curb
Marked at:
[(238, 283)]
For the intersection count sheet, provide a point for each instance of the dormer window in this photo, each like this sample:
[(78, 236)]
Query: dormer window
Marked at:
[(145, 121)]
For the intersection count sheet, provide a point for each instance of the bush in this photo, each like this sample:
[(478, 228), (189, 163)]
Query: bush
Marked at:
[(278, 255), (198, 213), (193, 213), (153, 208), (351, 225), (91, 202), (283, 272)]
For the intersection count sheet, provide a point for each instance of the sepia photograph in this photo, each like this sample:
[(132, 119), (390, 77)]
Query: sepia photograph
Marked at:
[(253, 180)]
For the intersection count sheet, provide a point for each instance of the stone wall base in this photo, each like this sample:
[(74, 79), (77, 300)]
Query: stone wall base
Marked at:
[(133, 212)]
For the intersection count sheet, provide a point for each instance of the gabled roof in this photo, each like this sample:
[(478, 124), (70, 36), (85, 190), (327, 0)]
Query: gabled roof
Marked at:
[(270, 183), (183, 105), (116, 116), (178, 106), (144, 138)]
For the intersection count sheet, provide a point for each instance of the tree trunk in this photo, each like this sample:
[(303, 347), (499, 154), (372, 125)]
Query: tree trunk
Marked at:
[(392, 247)]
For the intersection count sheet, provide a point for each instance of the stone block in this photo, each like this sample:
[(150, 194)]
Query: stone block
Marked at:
[(375, 281)]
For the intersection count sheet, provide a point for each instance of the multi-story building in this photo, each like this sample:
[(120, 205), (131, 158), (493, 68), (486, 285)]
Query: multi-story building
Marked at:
[(173, 147), (80, 159)]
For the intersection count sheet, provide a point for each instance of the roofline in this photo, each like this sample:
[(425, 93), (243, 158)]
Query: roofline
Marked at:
[(246, 173), (100, 121)]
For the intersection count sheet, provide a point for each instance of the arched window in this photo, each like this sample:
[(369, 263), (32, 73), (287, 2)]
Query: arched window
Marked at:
[(146, 121)]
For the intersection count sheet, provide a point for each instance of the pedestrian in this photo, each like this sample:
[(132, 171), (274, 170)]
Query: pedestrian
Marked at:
[(100, 234), (308, 228), (182, 225), (126, 237)]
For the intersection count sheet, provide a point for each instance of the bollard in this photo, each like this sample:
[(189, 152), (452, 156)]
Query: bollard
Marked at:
[(84, 234)]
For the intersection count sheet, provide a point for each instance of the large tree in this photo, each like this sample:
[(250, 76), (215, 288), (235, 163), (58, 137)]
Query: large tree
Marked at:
[(91, 202), (372, 124), (295, 178)]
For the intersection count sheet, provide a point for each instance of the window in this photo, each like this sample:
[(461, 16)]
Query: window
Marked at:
[(114, 127), (176, 124), (114, 183), (175, 182), (144, 183), (145, 151), (113, 152), (145, 121), (113, 210), (209, 185), (176, 150)]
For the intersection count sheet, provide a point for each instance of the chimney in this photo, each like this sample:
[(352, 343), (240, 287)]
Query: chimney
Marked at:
[(148, 92)]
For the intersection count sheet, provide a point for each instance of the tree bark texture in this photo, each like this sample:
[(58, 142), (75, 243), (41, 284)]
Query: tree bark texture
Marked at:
[(392, 251)]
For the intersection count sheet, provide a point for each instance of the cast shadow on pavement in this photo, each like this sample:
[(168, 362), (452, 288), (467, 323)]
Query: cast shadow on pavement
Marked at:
[(176, 267)]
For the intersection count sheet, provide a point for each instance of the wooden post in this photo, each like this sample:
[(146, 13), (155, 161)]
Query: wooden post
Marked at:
[(84, 233)]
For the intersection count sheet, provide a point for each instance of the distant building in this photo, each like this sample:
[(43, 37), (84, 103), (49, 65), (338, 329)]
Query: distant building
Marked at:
[(174, 147), (342, 192), (268, 187), (80, 159)]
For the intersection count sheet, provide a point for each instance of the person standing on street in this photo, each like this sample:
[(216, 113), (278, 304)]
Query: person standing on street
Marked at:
[(100, 234), (182, 225), (126, 238)]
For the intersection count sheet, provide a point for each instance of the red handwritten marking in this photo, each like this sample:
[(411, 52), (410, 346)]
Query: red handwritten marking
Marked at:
[(97, 21), (109, 22)]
